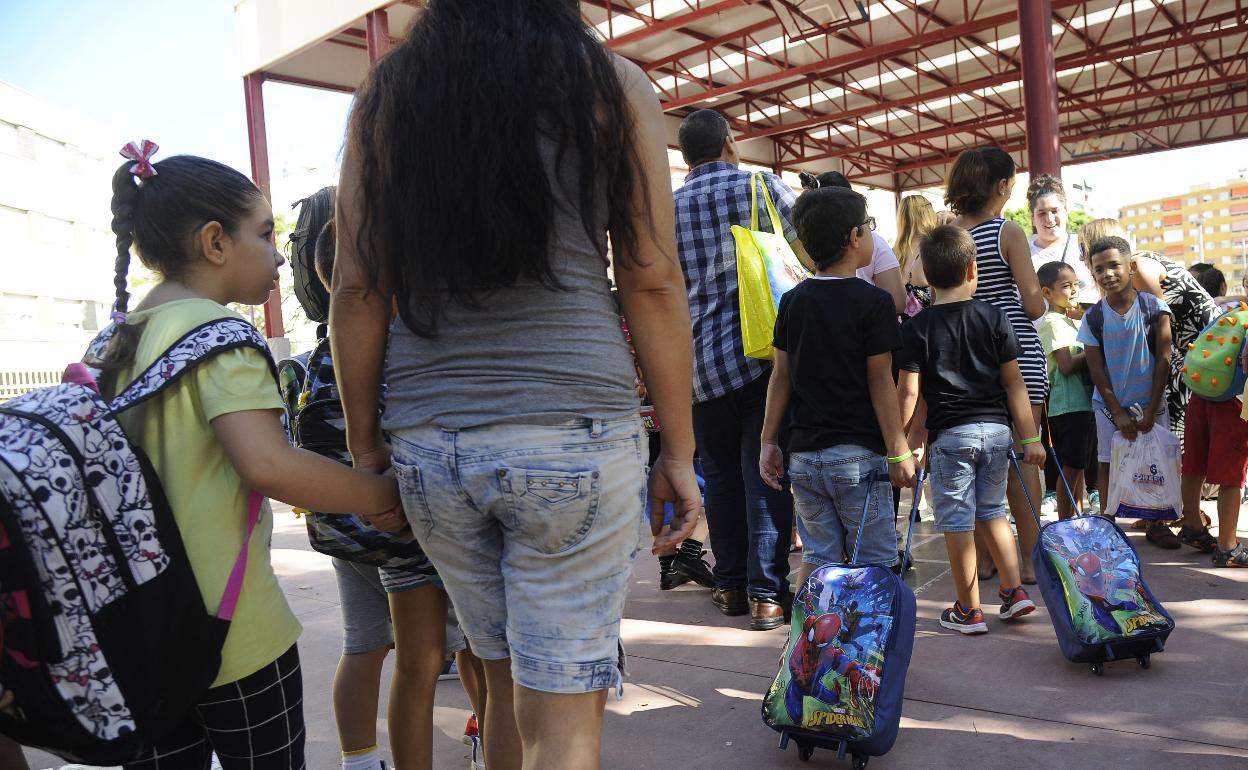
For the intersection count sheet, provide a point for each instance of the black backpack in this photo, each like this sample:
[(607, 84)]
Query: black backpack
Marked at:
[(314, 211), (105, 642), (1095, 318)]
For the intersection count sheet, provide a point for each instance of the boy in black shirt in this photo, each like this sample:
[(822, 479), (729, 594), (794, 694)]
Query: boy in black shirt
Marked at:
[(961, 354), (834, 340)]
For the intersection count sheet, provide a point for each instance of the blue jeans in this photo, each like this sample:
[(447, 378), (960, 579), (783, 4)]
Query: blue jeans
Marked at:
[(750, 523), (970, 466), (829, 494), (533, 529)]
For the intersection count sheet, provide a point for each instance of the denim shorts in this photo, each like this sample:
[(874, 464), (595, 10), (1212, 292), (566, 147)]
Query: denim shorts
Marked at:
[(829, 494), (533, 529), (363, 596), (970, 465)]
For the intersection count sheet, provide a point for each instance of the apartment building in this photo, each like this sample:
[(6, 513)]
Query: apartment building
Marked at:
[(56, 248), (1207, 224)]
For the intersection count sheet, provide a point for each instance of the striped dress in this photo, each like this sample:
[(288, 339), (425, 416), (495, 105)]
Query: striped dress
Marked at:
[(997, 287)]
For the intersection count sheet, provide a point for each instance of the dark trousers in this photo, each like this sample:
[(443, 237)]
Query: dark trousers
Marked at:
[(750, 523)]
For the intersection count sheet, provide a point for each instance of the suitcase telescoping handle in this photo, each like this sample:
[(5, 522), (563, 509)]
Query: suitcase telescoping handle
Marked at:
[(1022, 482), (871, 479)]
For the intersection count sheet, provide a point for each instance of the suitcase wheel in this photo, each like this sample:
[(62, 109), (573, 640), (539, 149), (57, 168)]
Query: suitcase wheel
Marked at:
[(1098, 668), (1145, 661), (860, 761), (805, 750)]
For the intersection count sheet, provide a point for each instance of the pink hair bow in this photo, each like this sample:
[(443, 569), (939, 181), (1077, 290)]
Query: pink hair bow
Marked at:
[(142, 155)]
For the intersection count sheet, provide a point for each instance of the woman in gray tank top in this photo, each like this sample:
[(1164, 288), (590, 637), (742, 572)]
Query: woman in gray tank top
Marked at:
[(511, 416)]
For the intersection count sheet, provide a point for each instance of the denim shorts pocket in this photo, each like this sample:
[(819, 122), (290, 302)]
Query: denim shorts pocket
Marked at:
[(996, 460), (551, 509), (806, 501), (412, 492), (955, 467)]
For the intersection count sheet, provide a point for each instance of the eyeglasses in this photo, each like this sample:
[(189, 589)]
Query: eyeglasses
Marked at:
[(870, 224)]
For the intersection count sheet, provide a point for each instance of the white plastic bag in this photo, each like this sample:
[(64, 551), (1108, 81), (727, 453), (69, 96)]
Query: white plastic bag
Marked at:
[(1144, 477)]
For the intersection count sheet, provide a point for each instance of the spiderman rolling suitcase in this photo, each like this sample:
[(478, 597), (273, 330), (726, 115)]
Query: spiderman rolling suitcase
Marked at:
[(1093, 586), (843, 668)]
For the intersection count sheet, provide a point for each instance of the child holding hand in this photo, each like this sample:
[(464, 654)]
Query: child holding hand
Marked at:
[(214, 438)]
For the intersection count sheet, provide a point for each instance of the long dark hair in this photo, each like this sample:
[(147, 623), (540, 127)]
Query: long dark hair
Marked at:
[(159, 217), (456, 200)]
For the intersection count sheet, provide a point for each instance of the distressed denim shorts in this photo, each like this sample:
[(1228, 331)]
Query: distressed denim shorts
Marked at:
[(533, 529), (829, 493), (970, 465)]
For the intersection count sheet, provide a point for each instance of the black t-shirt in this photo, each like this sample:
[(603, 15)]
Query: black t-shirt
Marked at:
[(958, 349), (828, 327)]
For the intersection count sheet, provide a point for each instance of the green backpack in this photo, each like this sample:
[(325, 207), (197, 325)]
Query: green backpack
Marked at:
[(1211, 368)]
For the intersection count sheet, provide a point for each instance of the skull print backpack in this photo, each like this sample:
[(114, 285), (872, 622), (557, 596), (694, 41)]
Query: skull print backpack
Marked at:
[(105, 641)]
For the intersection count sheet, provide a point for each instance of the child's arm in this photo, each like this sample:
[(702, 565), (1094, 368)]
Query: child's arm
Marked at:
[(913, 409), (1020, 411), (1017, 253), (257, 448), (359, 317), (888, 413), (1161, 373), (1068, 361), (1094, 357), (779, 390)]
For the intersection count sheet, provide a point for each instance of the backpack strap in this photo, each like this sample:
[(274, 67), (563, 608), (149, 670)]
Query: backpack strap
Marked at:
[(234, 585), (1095, 318), (197, 345)]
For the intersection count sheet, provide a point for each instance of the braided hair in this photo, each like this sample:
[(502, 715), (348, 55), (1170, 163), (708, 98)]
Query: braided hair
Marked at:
[(158, 218)]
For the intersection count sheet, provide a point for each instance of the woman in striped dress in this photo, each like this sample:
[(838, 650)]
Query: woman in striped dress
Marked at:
[(979, 185)]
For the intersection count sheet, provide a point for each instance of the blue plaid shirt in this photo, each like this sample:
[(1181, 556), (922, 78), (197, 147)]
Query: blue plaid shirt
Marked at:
[(715, 197)]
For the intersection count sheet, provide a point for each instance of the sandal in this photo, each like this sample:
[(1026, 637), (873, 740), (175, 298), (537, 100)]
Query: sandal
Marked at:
[(1160, 535), (1200, 539)]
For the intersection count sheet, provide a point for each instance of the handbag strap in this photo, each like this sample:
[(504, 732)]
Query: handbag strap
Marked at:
[(757, 180), (234, 585)]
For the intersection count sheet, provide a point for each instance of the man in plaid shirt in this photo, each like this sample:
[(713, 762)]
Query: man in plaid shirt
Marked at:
[(750, 523)]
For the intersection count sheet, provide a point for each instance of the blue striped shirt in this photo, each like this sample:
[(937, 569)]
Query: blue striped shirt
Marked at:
[(715, 197), (1129, 362)]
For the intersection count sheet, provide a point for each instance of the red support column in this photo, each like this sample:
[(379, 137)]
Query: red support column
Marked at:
[(377, 35), (1035, 19), (257, 142)]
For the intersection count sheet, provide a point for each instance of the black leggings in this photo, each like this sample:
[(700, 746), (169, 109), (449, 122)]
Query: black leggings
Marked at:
[(255, 723)]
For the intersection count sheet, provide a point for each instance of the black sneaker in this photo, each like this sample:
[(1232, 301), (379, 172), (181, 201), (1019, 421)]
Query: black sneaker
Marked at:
[(669, 578), (690, 564), (1236, 557), (1200, 539)]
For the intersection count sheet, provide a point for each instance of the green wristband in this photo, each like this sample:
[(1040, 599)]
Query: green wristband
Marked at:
[(900, 458), (1032, 440)]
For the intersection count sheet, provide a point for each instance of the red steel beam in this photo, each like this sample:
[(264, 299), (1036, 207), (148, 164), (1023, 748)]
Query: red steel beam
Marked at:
[(377, 34), (673, 22), (709, 43), (258, 145), (1039, 86), (1105, 53)]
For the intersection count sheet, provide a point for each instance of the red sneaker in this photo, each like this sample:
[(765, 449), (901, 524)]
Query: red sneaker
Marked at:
[(1015, 603), (964, 621)]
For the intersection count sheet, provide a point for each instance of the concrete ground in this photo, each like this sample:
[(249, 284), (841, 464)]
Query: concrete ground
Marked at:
[(1008, 699)]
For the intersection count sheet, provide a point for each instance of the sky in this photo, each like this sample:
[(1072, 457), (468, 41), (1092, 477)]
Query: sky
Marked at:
[(168, 71)]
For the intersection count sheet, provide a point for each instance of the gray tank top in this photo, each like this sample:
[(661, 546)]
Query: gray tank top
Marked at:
[(529, 353)]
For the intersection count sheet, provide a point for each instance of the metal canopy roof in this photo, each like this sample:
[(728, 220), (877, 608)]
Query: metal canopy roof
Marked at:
[(808, 84), (896, 98)]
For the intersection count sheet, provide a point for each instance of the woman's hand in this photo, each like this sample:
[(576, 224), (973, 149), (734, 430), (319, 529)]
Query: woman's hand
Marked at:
[(673, 481), (375, 459)]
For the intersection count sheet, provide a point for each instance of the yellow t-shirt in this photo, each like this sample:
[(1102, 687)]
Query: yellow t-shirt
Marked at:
[(208, 497)]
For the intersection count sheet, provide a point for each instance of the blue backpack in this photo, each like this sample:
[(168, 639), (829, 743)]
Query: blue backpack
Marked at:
[(317, 424)]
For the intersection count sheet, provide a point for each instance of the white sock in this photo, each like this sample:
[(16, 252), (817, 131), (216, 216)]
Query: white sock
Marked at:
[(364, 759)]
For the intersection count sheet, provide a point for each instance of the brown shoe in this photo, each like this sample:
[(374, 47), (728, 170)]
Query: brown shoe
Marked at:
[(730, 601), (766, 614), (1160, 535)]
